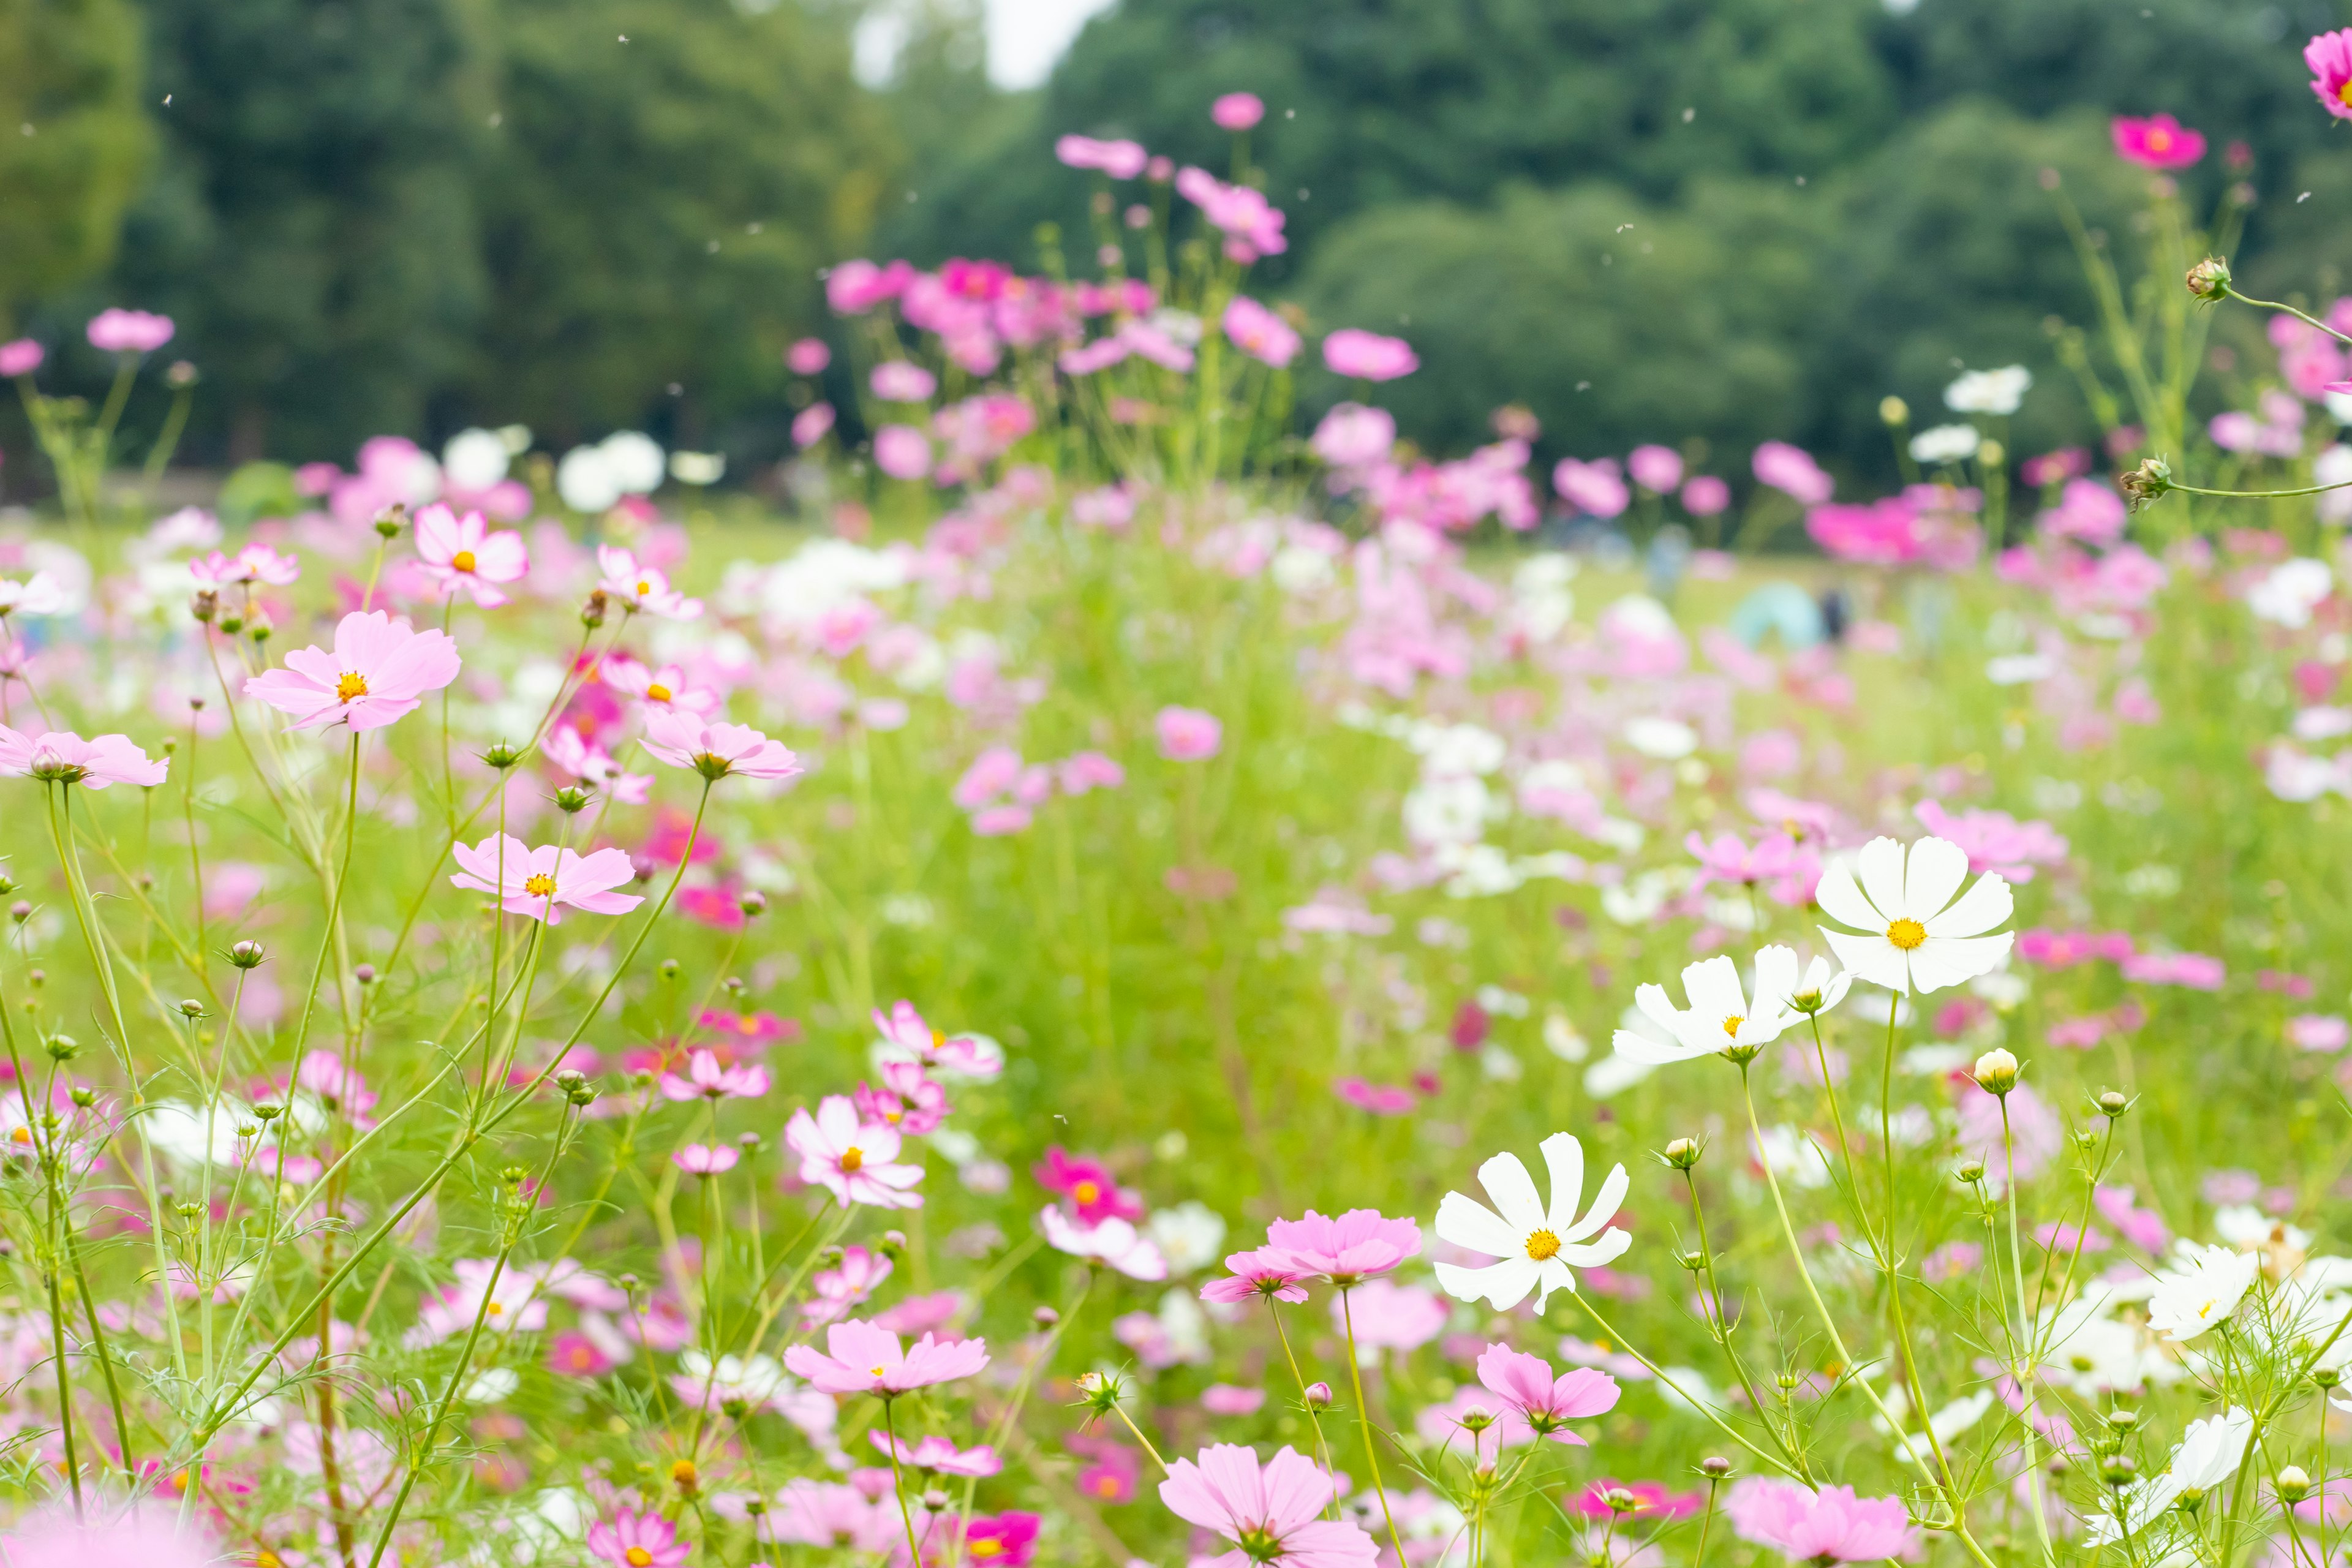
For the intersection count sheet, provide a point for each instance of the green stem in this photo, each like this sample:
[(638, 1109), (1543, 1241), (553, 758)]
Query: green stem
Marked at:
[(1364, 1416)]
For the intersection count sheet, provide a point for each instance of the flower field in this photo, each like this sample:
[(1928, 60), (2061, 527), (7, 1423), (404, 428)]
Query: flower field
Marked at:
[(1152, 978)]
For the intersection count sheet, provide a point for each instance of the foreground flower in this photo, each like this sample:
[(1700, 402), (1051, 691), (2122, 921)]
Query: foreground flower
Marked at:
[(461, 552), (1545, 1402), (852, 1158), (1112, 1243), (2203, 1293), (1270, 1512), (1537, 1246), (1261, 1272), (1006, 1541), (716, 751), (142, 1536), (2329, 56), (2208, 1454), (1909, 930), (535, 882), (1832, 1525), (631, 1540), (379, 673), (1354, 1248), (859, 1358), (60, 756), (1720, 1016)]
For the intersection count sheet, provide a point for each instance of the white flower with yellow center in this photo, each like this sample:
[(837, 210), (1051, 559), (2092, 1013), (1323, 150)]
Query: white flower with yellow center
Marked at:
[(1910, 932), (2202, 1292), (1537, 1246), (1720, 1015)]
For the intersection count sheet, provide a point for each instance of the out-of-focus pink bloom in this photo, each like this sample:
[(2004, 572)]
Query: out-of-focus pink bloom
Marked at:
[(1260, 332), (2318, 1032), (1592, 488), (2050, 468), (1188, 735), (851, 1157), (22, 357), (859, 1358), (2159, 142), (716, 751), (60, 756), (1085, 771), (895, 381), (854, 287), (1706, 495), (2087, 511), (2065, 948), (1651, 1499), (1273, 1512), (703, 1160), (631, 1540), (662, 688), (1380, 1099), (120, 332), (937, 1456), (1237, 112), (2329, 56), (902, 451), (1231, 1399), (1354, 436), (2029, 1135), (908, 1100), (1389, 1316), (539, 882), (835, 1291), (1007, 1540), (807, 356), (1830, 1526), (1368, 357), (462, 552), (2144, 1228), (504, 1300), (573, 1353), (991, 774), (832, 1514), (1252, 226), (1113, 1243), (1119, 160), (1356, 1246), (379, 673), (1498, 1426), (1262, 1271), (812, 424), (1792, 472), (1996, 841), (39, 594), (1657, 470), (1547, 1404), (255, 563), (2196, 971), (907, 1036), (707, 1079), (143, 1536), (641, 585)]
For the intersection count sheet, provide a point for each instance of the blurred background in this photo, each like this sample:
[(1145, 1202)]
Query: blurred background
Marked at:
[(1644, 219)]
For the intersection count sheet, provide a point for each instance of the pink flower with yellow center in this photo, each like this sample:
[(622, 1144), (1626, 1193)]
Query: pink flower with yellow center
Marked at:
[(378, 672)]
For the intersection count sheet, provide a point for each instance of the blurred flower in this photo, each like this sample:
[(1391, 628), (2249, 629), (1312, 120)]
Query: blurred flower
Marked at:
[(129, 331), (1368, 357), (641, 585), (703, 1160), (2158, 143), (1791, 471), (1237, 111), (1188, 735), (1113, 1243), (21, 357), (2329, 56), (1995, 392)]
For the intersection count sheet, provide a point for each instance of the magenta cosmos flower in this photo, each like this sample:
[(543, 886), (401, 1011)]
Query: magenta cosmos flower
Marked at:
[(908, 1100), (640, 586), (129, 331), (1368, 357), (1830, 1526), (716, 751), (1189, 735), (537, 882), (2329, 56), (460, 552), (1270, 1512), (1545, 1402), (60, 756), (1262, 1271), (1237, 111), (859, 1358), (379, 673), (631, 1540), (2158, 142), (1006, 1541), (1359, 1244), (851, 1157), (1089, 1183)]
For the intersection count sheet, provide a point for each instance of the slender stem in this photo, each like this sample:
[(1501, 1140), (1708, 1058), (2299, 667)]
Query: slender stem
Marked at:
[(1364, 1416), (2308, 319), (898, 1484), (1313, 1415), (65, 1392), (2024, 1374)]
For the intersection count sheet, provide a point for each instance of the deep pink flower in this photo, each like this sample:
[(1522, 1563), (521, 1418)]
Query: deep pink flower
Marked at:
[(21, 357), (1252, 225), (641, 586), (1368, 357), (1272, 1513), (1353, 435), (1652, 1501), (716, 751), (1189, 735), (1087, 1183), (573, 1353), (1262, 1271), (707, 1079), (538, 883), (1356, 1246), (705, 1160), (129, 331), (906, 1036), (379, 673), (462, 552), (851, 1157), (1006, 1541), (631, 1540), (1237, 112), (2159, 143), (2329, 56), (908, 1100), (1830, 1526), (60, 756), (1545, 1402), (859, 1358)]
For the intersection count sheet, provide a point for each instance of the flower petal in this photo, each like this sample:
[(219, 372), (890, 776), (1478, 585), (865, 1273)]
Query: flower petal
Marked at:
[(1949, 961), (1843, 901), (1936, 869), (1506, 1182), (1880, 868), (1871, 958), (1980, 909)]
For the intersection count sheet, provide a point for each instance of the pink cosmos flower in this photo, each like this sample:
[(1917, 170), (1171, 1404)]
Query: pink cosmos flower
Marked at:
[(631, 1540), (39, 594), (1262, 1271), (2144, 1228), (1119, 160), (707, 1079), (902, 451), (812, 424), (461, 552), (1252, 225), (1830, 1526), (2329, 56), (807, 356), (1706, 495), (143, 1536), (22, 357), (2318, 1032), (122, 331), (908, 1100), (663, 687), (1353, 435), (255, 563), (536, 882), (1237, 112), (1189, 735), (2160, 143), (703, 1160), (716, 751), (1792, 472), (1358, 1245), (1368, 357), (895, 381), (1593, 487), (1004, 1541), (1651, 1500), (1657, 470), (906, 1038), (1389, 1316), (859, 1358), (1089, 1185), (1545, 1402), (1260, 332), (832, 1514), (1272, 1513), (379, 673), (1996, 841), (851, 1157), (60, 756), (835, 1291), (1112, 1243), (937, 1456), (568, 753), (641, 586)]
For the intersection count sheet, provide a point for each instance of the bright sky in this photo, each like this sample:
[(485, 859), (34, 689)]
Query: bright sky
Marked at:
[(1026, 38)]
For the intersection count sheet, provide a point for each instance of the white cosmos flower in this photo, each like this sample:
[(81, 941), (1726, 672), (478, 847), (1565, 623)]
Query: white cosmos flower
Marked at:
[(1537, 1246), (2208, 1454), (1908, 930), (1720, 1015), (1989, 391), (2203, 1292), (1945, 444)]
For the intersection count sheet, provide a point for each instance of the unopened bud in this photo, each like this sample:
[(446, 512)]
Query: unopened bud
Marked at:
[(247, 954), (1619, 1501), (2123, 1420), (1970, 1172), (364, 974), (191, 1008), (671, 968), (205, 603), (1044, 1316), (1476, 1419), (232, 621), (180, 375), (591, 613), (261, 629), (84, 1096), (2113, 1104), (2326, 1376), (2291, 1484), (1894, 411), (1693, 1260), (502, 755), (572, 799), (935, 1499), (2146, 484), (2117, 1470), (753, 903), (894, 1243), (1682, 1153), (2191, 1499), (20, 911), (267, 1111), (63, 1048), (2210, 279), (1319, 1396), (1996, 1071), (1715, 1467), (392, 520)]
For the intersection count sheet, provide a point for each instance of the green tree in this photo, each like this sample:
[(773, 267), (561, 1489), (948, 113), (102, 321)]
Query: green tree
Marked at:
[(72, 140)]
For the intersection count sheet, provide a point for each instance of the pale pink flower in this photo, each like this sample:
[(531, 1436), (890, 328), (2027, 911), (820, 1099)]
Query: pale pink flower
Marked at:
[(1792, 472), (906, 1036), (716, 751), (1368, 357), (908, 1100), (1996, 841), (835, 1291), (39, 594), (1113, 1243), (1263, 1271), (936, 1455), (1119, 160), (571, 753), (60, 756), (631, 1540), (1389, 1316), (1272, 1513), (1830, 1526), (1189, 735), (537, 882), (22, 357), (657, 688), (141, 1536), (1592, 488), (1657, 470), (462, 552), (807, 356), (379, 673), (859, 1358), (642, 586), (832, 1514), (895, 381), (129, 331), (812, 424), (1353, 435), (1545, 1402), (1237, 112), (902, 451), (1353, 1248), (852, 1158), (254, 563), (707, 1079), (1260, 332), (1252, 226), (1705, 496), (503, 1299), (704, 1160)]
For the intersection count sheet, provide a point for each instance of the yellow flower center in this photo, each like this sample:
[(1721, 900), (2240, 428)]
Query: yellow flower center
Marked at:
[(1085, 1192), (1731, 1026), (539, 884), (2344, 93), (1543, 1245), (353, 685), (2160, 141), (852, 1158), (988, 1546), (658, 692), (638, 1557), (20, 1135), (877, 1370), (1106, 1485), (495, 1308), (645, 586), (1906, 934), (463, 560)]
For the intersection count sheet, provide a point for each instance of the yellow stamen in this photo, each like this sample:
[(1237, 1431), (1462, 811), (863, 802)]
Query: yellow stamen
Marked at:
[(658, 692), (495, 1308), (1906, 934), (463, 560), (353, 685), (1731, 1026), (539, 885), (988, 1546), (645, 586), (877, 1370), (1543, 1245), (1085, 1192), (638, 1557), (852, 1158)]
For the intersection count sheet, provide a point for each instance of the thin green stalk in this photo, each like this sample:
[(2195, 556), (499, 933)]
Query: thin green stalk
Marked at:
[(1364, 1416)]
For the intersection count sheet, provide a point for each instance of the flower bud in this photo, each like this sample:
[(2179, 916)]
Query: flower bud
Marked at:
[(1693, 1260), (591, 613), (2291, 1484), (894, 1243), (2191, 1499), (2111, 1104), (191, 1008), (392, 520), (205, 603), (671, 968), (572, 799), (1807, 1002), (1715, 1467), (2146, 484), (247, 954), (753, 903), (935, 1499), (2117, 1470), (180, 375), (1319, 1396), (2325, 1376), (7, 883), (748, 1142), (1970, 1172), (683, 1476), (1044, 1316), (232, 621), (84, 1096), (1619, 1501), (20, 911), (2210, 279), (260, 630), (1894, 411), (1682, 1153), (1996, 1071), (63, 1048), (364, 974), (1476, 1419), (267, 1111), (502, 756), (2123, 1420)]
